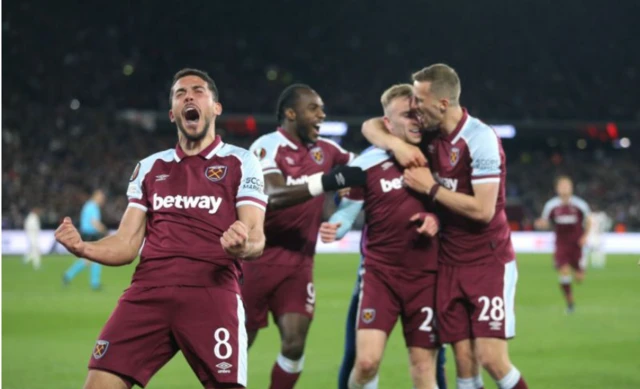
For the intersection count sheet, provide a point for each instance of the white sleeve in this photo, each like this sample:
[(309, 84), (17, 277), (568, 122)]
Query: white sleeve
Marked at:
[(265, 151), (548, 207), (583, 207), (484, 148), (135, 190), (251, 189)]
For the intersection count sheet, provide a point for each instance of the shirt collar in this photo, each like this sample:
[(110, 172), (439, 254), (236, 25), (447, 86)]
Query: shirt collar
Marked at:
[(207, 153)]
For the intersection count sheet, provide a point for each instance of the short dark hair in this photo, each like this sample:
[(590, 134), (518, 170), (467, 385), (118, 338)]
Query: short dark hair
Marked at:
[(288, 99), (198, 73)]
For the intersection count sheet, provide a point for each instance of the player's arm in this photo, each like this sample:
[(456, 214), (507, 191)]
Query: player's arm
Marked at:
[(481, 206), (118, 249), (586, 212), (341, 221), (284, 196), (245, 238), (486, 168), (543, 223), (407, 155)]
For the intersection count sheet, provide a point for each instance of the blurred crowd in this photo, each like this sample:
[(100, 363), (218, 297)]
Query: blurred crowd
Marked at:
[(54, 158), (71, 69), (581, 65)]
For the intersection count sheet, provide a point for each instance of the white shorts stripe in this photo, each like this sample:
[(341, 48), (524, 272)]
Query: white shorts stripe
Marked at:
[(360, 295), (242, 344), (509, 296)]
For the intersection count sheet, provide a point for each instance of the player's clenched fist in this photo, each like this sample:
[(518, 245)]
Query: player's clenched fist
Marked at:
[(328, 231), (429, 224), (69, 237), (235, 239)]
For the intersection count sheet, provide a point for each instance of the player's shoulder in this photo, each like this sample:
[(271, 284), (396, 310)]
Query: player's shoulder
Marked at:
[(579, 202), (270, 141), (146, 164), (477, 133), (371, 157), (329, 143), (229, 150), (164, 155), (554, 202)]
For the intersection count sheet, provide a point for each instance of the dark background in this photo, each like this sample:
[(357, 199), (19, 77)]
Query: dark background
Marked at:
[(85, 86)]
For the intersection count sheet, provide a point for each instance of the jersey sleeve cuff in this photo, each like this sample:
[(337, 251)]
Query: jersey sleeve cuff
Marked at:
[(137, 205), (270, 170), (485, 179), (256, 202)]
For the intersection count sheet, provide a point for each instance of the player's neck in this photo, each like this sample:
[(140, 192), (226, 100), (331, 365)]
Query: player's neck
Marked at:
[(451, 120), (195, 147), (292, 132), (565, 199)]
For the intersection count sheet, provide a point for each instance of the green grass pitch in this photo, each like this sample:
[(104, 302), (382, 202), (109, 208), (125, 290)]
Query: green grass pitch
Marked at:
[(49, 330)]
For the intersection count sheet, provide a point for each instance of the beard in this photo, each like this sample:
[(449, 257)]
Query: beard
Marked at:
[(304, 134), (197, 136)]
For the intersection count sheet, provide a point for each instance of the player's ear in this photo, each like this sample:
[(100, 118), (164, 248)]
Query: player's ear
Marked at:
[(387, 123), (290, 114), (217, 108), (444, 104), (171, 117)]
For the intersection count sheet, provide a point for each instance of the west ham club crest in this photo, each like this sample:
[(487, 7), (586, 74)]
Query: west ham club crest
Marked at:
[(215, 173), (317, 154), (454, 157), (100, 349)]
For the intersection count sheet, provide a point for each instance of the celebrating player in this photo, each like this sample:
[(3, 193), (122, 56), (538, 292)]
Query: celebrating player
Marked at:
[(570, 217), (299, 167), (477, 272), (199, 208), (400, 254)]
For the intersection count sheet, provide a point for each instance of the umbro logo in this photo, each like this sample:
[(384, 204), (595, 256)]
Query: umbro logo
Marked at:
[(224, 367), (387, 165), (161, 177)]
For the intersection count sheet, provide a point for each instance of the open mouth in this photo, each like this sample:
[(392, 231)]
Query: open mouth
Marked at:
[(316, 128), (191, 115)]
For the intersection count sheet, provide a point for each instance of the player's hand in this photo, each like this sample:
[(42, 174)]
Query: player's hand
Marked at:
[(541, 224), (328, 231), (419, 179), (429, 224), (68, 236), (408, 155), (583, 241), (235, 239), (344, 192)]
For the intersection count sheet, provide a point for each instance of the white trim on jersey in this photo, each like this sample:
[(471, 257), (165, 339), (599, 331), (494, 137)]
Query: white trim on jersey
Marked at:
[(139, 206), (271, 170), (289, 143), (509, 296), (340, 149), (214, 151), (485, 180), (242, 344), (251, 202)]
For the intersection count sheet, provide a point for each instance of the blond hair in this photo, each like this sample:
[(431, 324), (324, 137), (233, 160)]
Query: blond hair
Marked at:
[(398, 90), (444, 80)]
